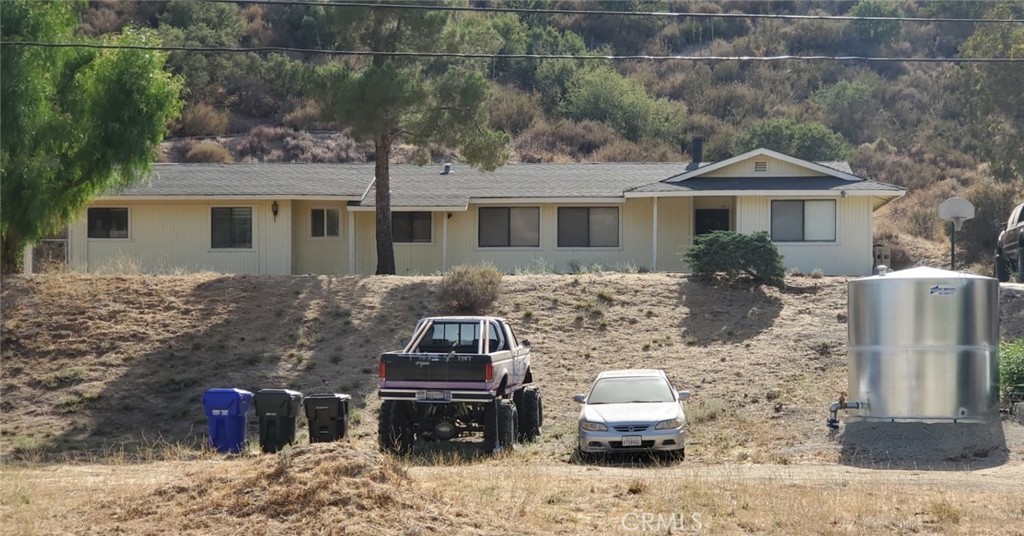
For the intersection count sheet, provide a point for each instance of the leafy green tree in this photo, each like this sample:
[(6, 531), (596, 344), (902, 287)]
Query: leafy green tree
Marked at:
[(602, 94), (202, 24), (74, 122), (736, 255), (996, 97), (417, 101), (877, 32), (850, 107), (807, 140)]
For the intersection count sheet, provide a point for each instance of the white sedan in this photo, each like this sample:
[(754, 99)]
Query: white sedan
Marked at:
[(631, 411)]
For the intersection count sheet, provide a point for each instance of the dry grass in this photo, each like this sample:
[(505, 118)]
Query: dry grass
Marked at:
[(102, 375)]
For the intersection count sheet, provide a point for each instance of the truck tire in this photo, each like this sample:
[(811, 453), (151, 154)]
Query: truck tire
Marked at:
[(508, 424), (1002, 268), (394, 427), (531, 414), (490, 426)]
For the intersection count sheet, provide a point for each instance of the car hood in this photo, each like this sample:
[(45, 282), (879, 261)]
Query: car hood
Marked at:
[(631, 413)]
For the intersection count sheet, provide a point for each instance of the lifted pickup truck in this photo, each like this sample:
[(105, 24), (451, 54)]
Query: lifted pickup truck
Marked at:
[(1010, 247), (459, 375)]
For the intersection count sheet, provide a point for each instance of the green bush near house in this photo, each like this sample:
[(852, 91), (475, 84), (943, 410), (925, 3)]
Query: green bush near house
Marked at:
[(737, 255), (470, 289), (1011, 367)]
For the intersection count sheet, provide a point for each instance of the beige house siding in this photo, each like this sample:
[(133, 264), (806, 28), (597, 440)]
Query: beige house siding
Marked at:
[(850, 254), (635, 240), (318, 255), (410, 258), (675, 232), (775, 168), (167, 236)]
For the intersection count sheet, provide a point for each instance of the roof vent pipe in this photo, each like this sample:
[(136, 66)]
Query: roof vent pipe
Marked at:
[(697, 149), (447, 169)]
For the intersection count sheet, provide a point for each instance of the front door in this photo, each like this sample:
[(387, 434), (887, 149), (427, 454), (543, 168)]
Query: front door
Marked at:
[(706, 220)]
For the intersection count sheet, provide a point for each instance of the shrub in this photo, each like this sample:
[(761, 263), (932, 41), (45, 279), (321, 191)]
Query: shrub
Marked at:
[(1011, 365), (208, 151), (513, 110), (470, 289), (202, 120), (735, 255), (807, 140), (303, 117)]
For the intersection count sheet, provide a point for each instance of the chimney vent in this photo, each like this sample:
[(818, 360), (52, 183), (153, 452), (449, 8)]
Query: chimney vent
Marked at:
[(447, 169), (697, 149)]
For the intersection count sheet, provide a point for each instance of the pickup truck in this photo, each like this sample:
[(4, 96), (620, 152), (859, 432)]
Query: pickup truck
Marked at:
[(457, 376), (1010, 247)]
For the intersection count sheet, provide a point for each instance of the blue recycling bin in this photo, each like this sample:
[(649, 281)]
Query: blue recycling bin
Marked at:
[(227, 411)]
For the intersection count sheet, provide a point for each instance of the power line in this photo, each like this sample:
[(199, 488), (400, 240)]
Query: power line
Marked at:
[(555, 11), (490, 56)]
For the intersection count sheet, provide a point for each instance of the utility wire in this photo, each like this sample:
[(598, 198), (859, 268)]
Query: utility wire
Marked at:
[(482, 55), (555, 11)]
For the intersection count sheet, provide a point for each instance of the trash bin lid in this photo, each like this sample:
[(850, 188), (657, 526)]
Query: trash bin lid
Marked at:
[(277, 402), (227, 401), (331, 403)]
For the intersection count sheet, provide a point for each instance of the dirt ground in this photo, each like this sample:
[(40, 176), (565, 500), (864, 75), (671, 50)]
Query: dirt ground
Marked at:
[(101, 380)]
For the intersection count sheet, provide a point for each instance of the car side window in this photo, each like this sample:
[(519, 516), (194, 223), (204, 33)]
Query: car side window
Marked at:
[(1020, 217)]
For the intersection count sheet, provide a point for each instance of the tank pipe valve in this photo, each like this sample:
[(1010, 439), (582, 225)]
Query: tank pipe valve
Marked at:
[(833, 420)]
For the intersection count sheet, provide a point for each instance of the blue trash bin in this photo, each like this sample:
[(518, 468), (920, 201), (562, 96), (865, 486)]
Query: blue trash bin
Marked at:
[(227, 411)]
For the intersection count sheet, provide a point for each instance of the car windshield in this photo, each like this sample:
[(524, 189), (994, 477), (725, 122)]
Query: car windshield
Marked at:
[(626, 390)]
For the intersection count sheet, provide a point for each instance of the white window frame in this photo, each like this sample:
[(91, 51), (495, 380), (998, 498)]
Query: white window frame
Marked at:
[(540, 229), (803, 233), (252, 231), (126, 238), (326, 236), (618, 209)]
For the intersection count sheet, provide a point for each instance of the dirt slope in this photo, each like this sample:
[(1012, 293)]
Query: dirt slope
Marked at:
[(94, 361)]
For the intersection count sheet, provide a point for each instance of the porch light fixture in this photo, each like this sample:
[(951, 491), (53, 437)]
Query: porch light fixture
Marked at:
[(273, 209)]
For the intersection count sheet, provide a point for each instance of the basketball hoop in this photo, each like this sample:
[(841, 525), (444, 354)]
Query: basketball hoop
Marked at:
[(957, 210)]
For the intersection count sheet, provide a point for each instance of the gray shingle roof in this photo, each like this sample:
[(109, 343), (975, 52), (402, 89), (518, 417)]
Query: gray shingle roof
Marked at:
[(413, 186), (257, 179), (425, 186), (705, 184)]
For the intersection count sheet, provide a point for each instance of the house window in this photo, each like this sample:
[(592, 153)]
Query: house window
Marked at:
[(410, 226), (590, 227), (804, 221), (231, 228), (108, 222), (325, 222), (503, 227)]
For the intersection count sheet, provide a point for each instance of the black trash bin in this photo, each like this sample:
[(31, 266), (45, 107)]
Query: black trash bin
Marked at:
[(277, 410), (328, 416)]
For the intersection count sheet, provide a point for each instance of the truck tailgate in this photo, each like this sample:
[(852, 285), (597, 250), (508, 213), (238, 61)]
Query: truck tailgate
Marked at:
[(434, 367)]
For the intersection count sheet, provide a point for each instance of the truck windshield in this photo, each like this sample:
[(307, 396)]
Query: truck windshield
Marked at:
[(630, 390)]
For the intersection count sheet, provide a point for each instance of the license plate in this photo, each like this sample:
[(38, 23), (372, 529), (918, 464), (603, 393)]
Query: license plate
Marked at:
[(631, 441), (434, 395)]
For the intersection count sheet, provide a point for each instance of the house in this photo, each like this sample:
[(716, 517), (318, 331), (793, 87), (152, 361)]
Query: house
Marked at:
[(319, 218)]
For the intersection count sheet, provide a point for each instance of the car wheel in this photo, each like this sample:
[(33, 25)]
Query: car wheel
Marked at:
[(394, 427), (1020, 263), (1002, 269)]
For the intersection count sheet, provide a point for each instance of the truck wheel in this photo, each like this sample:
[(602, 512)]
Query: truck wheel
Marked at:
[(1020, 263), (394, 427), (508, 424), (1002, 270), (500, 425), (490, 426), (531, 414)]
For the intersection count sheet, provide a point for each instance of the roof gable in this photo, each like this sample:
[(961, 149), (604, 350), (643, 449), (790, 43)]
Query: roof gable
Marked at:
[(743, 166)]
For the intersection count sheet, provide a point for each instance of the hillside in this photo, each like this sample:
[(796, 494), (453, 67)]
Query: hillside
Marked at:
[(101, 380), (94, 361)]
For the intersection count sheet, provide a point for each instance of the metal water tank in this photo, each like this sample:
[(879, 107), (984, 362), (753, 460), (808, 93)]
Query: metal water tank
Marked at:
[(924, 346)]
